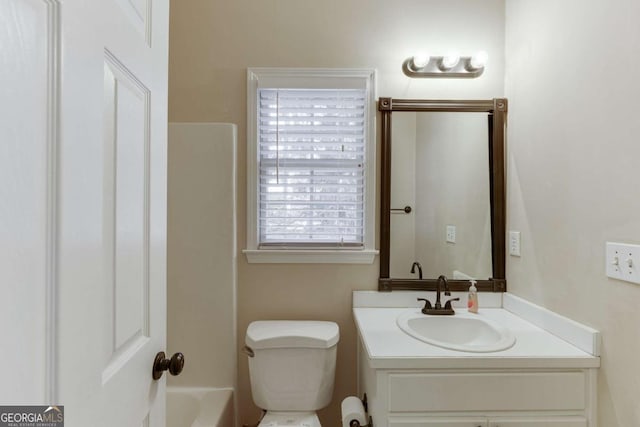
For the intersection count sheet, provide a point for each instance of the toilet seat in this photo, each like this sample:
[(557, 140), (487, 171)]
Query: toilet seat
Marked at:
[(290, 419)]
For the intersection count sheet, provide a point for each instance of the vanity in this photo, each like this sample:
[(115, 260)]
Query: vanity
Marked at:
[(541, 380)]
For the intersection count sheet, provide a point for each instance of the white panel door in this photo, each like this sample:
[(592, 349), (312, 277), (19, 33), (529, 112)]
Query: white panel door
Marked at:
[(83, 101), (83, 120), (112, 211)]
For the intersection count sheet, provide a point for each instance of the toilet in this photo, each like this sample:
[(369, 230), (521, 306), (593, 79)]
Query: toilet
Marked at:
[(292, 368)]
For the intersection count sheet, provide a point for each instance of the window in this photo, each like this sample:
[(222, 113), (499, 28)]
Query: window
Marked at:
[(311, 166), (311, 145)]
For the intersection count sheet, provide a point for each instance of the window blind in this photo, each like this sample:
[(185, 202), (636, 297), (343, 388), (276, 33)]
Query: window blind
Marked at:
[(311, 156)]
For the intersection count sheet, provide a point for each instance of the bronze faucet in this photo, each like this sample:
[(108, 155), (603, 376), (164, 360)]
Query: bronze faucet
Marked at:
[(413, 269), (438, 309)]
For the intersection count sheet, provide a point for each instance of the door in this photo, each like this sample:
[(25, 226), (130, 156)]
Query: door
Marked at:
[(83, 170), (112, 211)]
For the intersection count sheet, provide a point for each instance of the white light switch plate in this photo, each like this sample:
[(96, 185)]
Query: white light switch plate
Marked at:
[(451, 233), (623, 261), (514, 243)]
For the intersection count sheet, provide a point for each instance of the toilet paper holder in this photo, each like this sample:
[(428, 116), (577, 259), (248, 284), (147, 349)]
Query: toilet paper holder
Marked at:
[(356, 423), (355, 412)]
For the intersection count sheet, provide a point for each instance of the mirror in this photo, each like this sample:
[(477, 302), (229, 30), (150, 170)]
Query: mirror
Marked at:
[(442, 202)]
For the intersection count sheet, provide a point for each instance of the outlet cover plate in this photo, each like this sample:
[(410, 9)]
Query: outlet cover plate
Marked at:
[(451, 233), (514, 243), (623, 261)]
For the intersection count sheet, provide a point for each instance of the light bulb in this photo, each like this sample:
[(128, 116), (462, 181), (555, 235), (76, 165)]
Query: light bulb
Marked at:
[(450, 60), (420, 60), (479, 60)]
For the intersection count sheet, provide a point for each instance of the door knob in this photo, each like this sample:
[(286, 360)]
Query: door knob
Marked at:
[(161, 364)]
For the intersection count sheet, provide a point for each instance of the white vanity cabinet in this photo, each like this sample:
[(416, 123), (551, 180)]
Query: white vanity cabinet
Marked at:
[(541, 381), (478, 397)]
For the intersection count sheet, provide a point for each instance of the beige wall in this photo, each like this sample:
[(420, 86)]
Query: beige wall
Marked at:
[(212, 43), (572, 82)]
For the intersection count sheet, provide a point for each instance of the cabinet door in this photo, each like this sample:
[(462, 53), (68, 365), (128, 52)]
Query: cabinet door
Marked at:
[(439, 422), (539, 422)]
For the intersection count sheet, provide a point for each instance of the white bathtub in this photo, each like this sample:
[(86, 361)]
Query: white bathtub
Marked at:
[(199, 407)]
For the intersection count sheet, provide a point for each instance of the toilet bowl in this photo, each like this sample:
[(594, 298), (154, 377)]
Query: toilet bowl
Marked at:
[(292, 369), (290, 419)]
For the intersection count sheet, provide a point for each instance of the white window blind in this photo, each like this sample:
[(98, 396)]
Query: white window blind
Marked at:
[(311, 167)]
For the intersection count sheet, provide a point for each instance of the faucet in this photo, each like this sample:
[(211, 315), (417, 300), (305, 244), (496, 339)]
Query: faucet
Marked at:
[(413, 269), (442, 280), (438, 309)]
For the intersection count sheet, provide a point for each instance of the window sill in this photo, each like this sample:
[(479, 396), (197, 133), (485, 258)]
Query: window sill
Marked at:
[(310, 256)]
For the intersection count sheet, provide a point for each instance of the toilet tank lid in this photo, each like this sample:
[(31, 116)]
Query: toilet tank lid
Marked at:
[(292, 334)]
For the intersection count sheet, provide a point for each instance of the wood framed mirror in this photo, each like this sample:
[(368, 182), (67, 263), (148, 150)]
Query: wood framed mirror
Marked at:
[(491, 145)]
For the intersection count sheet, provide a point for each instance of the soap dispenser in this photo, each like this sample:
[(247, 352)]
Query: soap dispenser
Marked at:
[(472, 301)]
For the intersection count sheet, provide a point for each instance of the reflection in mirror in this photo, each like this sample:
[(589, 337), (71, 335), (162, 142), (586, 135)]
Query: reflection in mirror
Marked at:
[(440, 168)]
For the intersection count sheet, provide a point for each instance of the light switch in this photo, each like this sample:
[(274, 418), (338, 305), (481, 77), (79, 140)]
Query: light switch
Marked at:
[(451, 233), (622, 261), (514, 243)]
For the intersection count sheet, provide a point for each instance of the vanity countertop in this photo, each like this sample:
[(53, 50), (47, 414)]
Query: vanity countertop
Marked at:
[(388, 347)]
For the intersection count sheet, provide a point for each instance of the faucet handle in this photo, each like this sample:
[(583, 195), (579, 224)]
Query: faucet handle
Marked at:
[(447, 305), (427, 305)]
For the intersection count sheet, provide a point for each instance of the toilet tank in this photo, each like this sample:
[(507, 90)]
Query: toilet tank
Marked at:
[(293, 364)]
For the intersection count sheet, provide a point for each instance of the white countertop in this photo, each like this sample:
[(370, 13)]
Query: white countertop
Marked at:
[(388, 347)]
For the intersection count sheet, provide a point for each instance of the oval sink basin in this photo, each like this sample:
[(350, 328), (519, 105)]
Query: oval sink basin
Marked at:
[(462, 331)]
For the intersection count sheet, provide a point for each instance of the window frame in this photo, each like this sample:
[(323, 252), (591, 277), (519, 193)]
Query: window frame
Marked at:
[(310, 78)]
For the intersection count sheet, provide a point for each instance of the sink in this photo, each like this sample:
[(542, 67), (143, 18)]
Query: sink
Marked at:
[(463, 331)]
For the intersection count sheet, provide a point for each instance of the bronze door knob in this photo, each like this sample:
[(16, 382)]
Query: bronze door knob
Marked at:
[(161, 364)]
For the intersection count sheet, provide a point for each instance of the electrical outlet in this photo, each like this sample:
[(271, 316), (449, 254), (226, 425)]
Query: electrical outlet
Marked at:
[(451, 233), (514, 243), (623, 261)]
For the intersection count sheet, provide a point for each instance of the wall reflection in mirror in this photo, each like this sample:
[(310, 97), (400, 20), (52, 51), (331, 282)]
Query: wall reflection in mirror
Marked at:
[(440, 168)]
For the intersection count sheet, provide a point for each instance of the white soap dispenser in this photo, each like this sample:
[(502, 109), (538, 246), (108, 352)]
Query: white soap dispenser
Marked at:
[(472, 301)]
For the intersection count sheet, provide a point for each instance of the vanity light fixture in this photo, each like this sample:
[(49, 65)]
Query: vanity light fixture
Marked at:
[(451, 65)]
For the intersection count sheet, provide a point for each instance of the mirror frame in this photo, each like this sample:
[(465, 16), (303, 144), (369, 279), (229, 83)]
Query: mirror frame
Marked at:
[(496, 110)]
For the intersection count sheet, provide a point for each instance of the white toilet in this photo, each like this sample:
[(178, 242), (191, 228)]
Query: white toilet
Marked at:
[(292, 368)]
